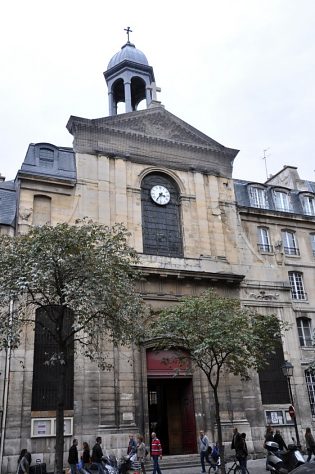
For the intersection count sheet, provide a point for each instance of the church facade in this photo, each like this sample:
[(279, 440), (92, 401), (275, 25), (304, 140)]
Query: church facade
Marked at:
[(194, 227)]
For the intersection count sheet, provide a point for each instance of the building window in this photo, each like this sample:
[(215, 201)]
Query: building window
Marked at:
[(297, 286), (258, 197), (41, 210), (305, 332), (312, 236), (310, 383), (290, 246), (46, 157), (44, 390), (282, 201), (264, 240), (308, 203), (161, 216), (273, 384)]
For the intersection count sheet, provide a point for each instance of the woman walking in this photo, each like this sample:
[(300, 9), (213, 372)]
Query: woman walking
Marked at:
[(141, 452)]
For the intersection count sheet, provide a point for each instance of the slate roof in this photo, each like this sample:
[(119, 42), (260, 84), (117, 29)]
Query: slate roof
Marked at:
[(50, 162), (7, 203), (241, 189)]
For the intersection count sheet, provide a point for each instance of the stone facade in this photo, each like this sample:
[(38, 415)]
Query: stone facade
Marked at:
[(102, 178)]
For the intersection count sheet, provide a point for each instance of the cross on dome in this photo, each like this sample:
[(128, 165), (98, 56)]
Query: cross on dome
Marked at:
[(128, 30)]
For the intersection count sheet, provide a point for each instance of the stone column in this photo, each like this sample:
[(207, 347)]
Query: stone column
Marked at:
[(128, 105)]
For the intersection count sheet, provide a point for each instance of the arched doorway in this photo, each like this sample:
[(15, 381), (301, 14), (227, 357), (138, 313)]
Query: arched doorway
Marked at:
[(171, 402)]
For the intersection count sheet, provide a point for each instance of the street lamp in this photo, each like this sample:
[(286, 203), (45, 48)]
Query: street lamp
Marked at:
[(287, 370)]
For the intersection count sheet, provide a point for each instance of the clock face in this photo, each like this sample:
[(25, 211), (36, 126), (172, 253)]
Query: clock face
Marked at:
[(160, 195)]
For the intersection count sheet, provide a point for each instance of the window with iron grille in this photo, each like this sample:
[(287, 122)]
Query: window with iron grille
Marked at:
[(282, 201), (290, 246), (297, 286), (273, 384), (305, 332), (161, 224), (258, 197), (264, 239), (308, 203), (44, 387), (310, 383), (312, 237)]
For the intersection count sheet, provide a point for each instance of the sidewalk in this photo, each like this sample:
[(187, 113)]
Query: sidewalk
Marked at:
[(254, 467)]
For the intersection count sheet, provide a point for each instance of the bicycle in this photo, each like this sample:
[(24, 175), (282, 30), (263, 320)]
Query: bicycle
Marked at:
[(215, 467), (236, 468)]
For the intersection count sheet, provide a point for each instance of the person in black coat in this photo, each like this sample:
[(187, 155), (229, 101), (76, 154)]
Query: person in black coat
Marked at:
[(97, 455), (278, 439), (73, 458)]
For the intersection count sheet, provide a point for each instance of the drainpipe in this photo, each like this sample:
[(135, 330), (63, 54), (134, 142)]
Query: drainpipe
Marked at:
[(6, 389)]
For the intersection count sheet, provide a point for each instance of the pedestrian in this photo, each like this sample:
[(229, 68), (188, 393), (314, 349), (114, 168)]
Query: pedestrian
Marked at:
[(141, 452), (310, 444), (204, 449), (241, 452), (73, 458), (24, 462), (86, 456), (279, 440), (214, 456), (235, 439), (156, 453), (268, 437), (132, 446), (97, 455)]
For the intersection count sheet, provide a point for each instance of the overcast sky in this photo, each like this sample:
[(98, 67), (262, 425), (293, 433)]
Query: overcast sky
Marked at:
[(241, 71)]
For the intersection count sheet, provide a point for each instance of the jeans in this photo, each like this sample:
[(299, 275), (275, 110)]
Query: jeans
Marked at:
[(203, 457), (73, 468), (243, 464), (156, 467), (99, 467)]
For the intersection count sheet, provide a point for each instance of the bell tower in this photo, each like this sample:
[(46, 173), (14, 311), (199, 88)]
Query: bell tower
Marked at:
[(129, 78)]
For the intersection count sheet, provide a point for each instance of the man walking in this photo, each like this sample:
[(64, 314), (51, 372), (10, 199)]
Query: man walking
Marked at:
[(156, 453), (97, 455), (203, 448), (73, 458)]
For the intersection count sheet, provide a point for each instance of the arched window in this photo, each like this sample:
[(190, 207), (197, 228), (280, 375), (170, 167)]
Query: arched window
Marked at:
[(282, 200), (41, 210), (308, 203), (305, 332), (161, 222), (297, 286), (310, 383), (258, 197), (290, 245), (264, 240)]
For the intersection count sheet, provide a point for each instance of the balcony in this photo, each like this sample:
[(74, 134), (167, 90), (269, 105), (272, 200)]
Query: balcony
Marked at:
[(291, 251), (265, 248)]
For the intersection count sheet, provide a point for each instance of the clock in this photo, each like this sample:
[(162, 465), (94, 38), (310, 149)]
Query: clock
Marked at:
[(160, 195)]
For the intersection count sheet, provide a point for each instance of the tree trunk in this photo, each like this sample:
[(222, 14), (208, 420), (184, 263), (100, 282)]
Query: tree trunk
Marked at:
[(218, 421), (61, 381)]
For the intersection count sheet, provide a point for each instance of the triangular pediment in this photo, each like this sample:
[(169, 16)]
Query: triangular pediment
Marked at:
[(157, 123), (154, 137)]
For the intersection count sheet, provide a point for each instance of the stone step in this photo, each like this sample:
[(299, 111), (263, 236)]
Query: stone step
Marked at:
[(178, 461)]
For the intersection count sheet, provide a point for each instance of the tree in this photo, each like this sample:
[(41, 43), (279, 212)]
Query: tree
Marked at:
[(219, 336), (81, 279)]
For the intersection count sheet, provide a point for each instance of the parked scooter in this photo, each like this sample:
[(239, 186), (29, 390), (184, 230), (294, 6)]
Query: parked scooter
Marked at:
[(283, 462)]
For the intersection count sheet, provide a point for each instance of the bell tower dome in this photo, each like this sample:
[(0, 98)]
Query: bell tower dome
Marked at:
[(129, 79)]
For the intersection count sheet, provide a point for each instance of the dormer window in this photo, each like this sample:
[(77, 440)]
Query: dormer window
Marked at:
[(46, 157), (258, 198), (308, 203), (282, 201)]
